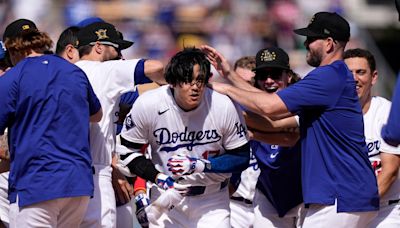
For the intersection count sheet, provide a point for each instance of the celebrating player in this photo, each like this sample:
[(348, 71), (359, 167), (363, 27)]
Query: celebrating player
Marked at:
[(195, 134), (46, 103), (385, 159), (335, 165), (99, 44), (278, 197)]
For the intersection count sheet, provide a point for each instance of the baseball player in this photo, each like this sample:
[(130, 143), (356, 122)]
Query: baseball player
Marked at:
[(278, 197), (67, 44), (385, 159), (99, 44), (195, 134), (4, 156), (241, 201), (334, 163), (50, 179)]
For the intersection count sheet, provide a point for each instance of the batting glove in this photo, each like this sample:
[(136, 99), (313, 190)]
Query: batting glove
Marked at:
[(166, 182), (184, 165), (142, 201)]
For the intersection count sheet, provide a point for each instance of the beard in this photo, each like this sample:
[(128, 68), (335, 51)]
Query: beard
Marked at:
[(314, 58)]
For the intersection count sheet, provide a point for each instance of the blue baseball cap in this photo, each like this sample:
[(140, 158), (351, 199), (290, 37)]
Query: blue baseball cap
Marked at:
[(88, 21), (2, 50)]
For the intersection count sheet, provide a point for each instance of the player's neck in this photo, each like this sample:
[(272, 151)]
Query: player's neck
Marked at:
[(34, 54)]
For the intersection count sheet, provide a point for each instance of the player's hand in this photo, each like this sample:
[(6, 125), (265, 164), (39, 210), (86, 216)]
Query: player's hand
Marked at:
[(166, 182), (164, 203), (142, 201), (122, 189), (217, 60), (184, 165)]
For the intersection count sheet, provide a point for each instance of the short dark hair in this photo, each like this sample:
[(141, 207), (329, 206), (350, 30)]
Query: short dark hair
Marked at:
[(180, 67), (85, 50), (68, 36), (361, 53)]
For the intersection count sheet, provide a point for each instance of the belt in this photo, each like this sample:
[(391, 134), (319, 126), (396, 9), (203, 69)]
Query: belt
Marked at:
[(199, 190), (241, 199)]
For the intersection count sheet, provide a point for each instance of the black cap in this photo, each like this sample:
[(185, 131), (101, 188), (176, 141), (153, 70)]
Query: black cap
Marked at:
[(18, 27), (272, 57), (104, 33), (326, 24)]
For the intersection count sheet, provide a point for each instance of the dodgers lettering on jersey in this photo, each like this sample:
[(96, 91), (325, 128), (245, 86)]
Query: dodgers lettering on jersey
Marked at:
[(194, 138)]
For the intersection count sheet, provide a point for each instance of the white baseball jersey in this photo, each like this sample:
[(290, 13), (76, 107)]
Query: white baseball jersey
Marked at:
[(215, 125), (374, 119), (109, 80), (248, 180)]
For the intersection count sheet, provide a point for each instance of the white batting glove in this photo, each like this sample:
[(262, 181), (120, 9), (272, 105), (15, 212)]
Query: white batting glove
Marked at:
[(165, 202), (184, 165)]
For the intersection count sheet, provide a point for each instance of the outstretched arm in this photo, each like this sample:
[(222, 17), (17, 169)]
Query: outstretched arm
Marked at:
[(154, 70), (258, 102)]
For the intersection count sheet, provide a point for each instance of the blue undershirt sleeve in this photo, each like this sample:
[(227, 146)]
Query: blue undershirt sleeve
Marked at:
[(139, 76), (235, 160)]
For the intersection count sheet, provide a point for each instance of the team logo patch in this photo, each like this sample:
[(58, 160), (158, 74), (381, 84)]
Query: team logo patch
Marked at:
[(240, 130), (101, 34), (267, 56), (129, 122)]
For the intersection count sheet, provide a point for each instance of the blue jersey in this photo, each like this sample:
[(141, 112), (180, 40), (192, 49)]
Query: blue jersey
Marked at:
[(46, 103), (280, 179), (335, 163), (391, 131)]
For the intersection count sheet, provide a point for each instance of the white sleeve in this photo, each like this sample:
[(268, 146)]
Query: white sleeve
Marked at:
[(123, 72), (234, 127), (136, 124)]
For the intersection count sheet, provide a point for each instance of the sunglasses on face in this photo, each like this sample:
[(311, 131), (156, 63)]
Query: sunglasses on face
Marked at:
[(274, 74)]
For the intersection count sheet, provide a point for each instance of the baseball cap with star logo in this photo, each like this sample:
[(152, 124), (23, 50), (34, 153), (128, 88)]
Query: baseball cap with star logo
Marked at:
[(326, 24), (104, 33), (272, 57), (19, 27)]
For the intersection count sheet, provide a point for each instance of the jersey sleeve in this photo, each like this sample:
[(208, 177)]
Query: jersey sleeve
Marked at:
[(8, 96), (139, 75), (313, 91), (391, 131), (122, 73), (234, 127), (136, 124)]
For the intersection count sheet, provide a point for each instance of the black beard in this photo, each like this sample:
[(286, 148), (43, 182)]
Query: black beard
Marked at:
[(314, 60)]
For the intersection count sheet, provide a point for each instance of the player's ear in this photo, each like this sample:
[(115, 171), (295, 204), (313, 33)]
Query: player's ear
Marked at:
[(69, 51), (374, 77), (98, 48)]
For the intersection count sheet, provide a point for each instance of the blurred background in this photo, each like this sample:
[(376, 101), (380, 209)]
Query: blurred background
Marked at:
[(235, 27)]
